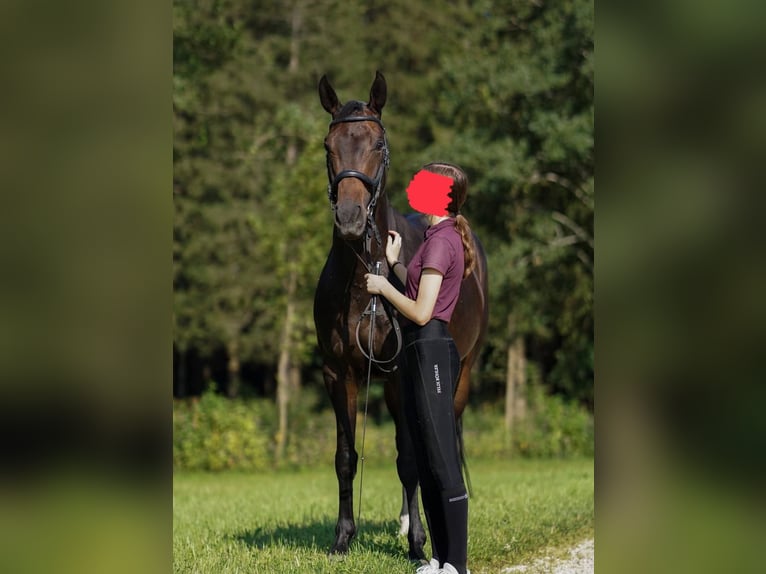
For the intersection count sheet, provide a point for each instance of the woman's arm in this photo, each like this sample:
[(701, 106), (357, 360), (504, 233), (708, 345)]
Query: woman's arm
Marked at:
[(419, 311)]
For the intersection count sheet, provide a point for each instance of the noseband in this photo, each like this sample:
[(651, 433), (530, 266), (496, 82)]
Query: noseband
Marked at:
[(374, 185)]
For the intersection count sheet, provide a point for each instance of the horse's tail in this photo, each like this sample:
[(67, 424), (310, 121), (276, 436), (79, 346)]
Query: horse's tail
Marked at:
[(463, 461)]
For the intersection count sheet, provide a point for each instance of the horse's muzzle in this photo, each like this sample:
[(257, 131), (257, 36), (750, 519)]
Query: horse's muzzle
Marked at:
[(350, 220)]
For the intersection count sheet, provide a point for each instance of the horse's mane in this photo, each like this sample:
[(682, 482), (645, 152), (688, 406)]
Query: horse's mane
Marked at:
[(351, 108)]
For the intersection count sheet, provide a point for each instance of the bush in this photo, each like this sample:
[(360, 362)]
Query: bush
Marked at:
[(553, 428), (217, 433)]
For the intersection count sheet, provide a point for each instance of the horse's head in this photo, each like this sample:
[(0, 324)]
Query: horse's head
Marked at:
[(357, 156)]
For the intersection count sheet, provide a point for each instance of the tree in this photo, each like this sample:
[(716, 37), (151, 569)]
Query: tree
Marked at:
[(521, 121)]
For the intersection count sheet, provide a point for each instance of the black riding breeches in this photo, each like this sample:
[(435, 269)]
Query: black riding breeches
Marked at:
[(431, 366)]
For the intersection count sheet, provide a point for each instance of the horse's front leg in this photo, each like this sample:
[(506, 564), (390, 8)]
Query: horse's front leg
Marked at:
[(343, 394)]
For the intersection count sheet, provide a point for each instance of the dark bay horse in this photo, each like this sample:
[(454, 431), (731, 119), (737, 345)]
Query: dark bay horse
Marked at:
[(357, 163)]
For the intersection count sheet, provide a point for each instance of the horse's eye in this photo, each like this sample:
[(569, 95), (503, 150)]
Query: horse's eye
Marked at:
[(380, 144), (326, 147)]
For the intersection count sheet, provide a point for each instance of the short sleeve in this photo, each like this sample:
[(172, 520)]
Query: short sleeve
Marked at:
[(438, 253)]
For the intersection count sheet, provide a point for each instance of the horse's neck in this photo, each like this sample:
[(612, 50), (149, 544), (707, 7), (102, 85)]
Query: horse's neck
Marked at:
[(377, 243)]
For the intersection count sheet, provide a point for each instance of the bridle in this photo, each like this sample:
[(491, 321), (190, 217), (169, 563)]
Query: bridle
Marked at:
[(374, 188), (374, 185)]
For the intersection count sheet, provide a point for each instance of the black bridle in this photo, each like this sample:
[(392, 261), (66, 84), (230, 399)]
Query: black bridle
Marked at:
[(374, 185)]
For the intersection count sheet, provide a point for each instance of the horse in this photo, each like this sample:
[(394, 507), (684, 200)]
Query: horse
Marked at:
[(357, 162)]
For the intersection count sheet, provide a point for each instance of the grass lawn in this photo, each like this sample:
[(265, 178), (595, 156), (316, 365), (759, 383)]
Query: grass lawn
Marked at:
[(285, 522)]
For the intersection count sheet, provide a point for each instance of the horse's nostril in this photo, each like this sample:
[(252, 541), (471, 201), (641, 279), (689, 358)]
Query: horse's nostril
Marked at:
[(348, 214)]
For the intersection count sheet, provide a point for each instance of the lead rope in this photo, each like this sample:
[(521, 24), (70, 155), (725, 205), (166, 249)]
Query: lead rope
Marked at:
[(367, 394), (391, 316)]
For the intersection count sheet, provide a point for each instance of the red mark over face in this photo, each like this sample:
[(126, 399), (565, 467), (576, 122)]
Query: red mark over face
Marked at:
[(429, 193)]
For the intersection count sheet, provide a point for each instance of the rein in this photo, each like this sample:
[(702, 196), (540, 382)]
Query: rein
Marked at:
[(373, 301), (372, 312)]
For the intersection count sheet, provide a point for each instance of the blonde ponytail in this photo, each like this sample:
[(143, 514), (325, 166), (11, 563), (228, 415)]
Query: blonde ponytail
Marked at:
[(461, 224)]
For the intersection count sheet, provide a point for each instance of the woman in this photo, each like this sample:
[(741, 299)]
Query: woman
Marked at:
[(431, 363)]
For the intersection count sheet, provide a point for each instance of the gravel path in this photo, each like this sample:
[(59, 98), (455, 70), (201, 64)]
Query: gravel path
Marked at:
[(580, 561)]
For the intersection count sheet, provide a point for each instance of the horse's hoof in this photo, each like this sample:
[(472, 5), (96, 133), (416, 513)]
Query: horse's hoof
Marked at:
[(338, 550), (417, 555)]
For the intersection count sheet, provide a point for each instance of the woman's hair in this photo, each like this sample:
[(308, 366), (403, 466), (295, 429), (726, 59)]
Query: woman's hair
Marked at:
[(457, 195)]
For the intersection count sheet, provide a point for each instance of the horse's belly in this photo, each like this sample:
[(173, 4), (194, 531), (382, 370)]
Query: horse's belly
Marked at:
[(466, 322)]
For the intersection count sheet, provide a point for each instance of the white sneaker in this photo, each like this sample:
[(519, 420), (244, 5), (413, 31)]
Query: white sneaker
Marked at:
[(450, 569), (431, 568)]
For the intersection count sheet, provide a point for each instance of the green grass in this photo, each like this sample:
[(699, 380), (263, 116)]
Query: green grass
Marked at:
[(284, 522)]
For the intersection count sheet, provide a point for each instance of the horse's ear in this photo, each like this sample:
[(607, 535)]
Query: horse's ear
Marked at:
[(378, 93), (327, 96)]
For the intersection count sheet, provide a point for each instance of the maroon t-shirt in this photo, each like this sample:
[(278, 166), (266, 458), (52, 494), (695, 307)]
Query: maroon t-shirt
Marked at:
[(442, 250)]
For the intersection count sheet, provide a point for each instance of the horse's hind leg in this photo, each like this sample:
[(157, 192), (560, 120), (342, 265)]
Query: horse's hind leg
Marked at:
[(461, 392), (343, 396), (408, 475), (404, 515)]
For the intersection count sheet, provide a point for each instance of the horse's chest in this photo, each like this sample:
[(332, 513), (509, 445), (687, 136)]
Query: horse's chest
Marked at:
[(343, 311), (355, 328)]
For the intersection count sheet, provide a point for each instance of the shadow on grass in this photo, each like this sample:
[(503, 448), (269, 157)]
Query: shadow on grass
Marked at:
[(372, 536)]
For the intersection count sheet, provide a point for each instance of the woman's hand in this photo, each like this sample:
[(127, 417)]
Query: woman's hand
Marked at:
[(393, 247), (376, 284)]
